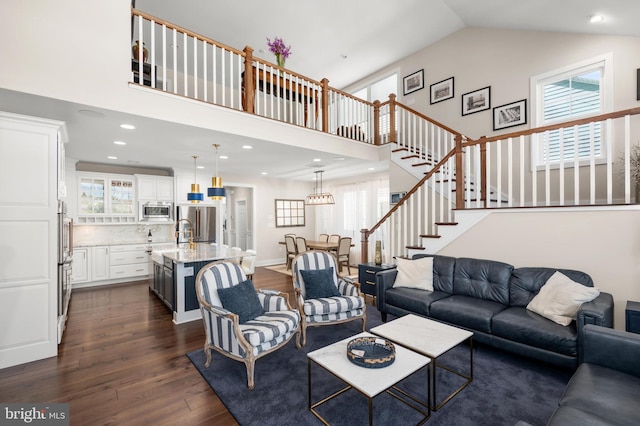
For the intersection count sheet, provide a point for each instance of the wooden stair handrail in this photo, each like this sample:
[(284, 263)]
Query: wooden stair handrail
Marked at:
[(542, 129)]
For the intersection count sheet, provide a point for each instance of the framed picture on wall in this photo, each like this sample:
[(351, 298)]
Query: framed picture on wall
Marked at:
[(289, 213), (509, 115), (413, 82), (476, 101), (442, 90), (638, 84)]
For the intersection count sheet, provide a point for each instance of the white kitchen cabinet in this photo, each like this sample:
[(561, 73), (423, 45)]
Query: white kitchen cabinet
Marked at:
[(106, 198), (100, 263), (128, 261), (154, 188), (28, 225), (80, 265)]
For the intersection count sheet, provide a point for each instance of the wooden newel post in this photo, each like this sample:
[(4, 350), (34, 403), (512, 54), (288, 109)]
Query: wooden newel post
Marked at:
[(376, 122), (364, 246), (483, 172), (392, 118), (248, 91), (325, 105), (459, 174)]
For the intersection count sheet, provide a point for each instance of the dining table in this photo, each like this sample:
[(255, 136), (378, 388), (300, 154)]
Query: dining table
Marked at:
[(321, 245)]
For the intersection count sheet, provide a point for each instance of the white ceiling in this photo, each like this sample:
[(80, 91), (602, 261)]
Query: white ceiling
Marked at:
[(370, 33)]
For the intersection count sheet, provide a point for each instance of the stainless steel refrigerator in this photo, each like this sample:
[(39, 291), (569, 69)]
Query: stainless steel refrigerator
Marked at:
[(203, 219)]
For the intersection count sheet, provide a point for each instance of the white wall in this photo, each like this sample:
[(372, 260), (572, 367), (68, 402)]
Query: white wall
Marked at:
[(603, 243)]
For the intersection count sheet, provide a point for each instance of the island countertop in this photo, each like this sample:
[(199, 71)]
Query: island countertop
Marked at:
[(180, 253)]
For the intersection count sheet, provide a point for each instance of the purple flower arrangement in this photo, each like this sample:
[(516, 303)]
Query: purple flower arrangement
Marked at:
[(278, 48)]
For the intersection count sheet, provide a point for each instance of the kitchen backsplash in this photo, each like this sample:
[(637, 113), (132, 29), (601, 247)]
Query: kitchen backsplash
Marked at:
[(100, 235)]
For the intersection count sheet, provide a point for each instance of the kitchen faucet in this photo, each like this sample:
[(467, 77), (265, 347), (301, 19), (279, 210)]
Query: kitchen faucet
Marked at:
[(192, 245)]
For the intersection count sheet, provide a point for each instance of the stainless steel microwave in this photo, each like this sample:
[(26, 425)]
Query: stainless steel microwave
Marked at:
[(154, 211)]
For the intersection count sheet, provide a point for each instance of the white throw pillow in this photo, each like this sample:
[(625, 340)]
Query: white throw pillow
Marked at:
[(560, 298), (416, 273)]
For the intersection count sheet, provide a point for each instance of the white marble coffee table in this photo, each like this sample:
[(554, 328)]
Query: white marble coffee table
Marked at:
[(369, 381), (430, 338)]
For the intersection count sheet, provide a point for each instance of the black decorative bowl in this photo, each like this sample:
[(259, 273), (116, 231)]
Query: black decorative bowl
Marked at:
[(371, 352)]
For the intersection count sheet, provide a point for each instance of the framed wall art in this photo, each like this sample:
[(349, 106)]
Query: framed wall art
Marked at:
[(413, 82), (476, 101), (289, 213), (509, 115), (442, 90)]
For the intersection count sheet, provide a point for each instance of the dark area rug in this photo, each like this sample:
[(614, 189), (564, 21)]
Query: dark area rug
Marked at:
[(506, 389)]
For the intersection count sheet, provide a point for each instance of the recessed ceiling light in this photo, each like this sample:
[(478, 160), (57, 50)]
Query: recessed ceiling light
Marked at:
[(264, 173), (119, 142), (371, 168), (317, 160), (223, 157), (200, 167), (111, 157), (128, 126), (596, 18), (339, 158), (247, 147)]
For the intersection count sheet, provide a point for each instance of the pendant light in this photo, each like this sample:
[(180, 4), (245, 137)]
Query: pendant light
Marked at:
[(216, 192), (195, 196), (319, 198)]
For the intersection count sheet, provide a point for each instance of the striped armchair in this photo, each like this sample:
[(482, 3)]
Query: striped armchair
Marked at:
[(255, 338), (348, 306)]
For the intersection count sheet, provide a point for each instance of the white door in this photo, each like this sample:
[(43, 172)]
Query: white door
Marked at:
[(241, 224)]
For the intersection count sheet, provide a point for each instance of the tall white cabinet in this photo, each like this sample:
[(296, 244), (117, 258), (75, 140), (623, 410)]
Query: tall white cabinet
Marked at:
[(28, 247)]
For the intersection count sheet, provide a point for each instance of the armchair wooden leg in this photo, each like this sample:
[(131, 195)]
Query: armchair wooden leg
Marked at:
[(303, 329), (250, 363), (298, 345), (207, 352)]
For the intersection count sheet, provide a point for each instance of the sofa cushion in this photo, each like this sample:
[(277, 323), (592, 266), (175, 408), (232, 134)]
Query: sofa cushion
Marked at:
[(560, 298), (241, 299), (482, 279), (415, 273), (443, 269), (319, 283), (569, 416), (526, 282), (466, 311), (414, 300), (520, 325), (605, 393)]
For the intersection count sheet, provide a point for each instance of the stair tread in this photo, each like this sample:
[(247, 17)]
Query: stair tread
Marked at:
[(414, 248), (446, 223), (429, 236)]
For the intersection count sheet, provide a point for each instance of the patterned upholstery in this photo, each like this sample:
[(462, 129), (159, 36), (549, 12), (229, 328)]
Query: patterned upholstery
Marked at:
[(326, 310), (253, 339)]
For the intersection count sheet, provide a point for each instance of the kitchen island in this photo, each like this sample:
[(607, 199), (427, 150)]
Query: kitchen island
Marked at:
[(174, 275)]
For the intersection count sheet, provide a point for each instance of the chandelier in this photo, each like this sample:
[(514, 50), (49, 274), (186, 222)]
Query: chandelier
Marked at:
[(318, 197)]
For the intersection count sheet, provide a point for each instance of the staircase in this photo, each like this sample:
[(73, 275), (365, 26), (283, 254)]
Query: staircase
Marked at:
[(461, 181)]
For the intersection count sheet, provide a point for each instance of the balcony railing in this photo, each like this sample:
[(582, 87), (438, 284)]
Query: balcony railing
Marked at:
[(184, 63)]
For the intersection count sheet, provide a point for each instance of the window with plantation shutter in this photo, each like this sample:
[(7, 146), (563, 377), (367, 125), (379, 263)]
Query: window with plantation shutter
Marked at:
[(571, 94)]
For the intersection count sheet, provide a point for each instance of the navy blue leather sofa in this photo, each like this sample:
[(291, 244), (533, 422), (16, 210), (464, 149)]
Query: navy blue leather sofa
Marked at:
[(605, 389), (490, 299)]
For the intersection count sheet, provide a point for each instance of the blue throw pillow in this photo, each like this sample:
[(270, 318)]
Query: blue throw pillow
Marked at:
[(319, 283), (241, 299)]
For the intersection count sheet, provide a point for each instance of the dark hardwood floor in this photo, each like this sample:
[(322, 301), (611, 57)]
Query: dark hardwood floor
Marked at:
[(122, 362)]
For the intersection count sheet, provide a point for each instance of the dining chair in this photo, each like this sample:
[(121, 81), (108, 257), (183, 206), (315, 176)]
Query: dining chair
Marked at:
[(334, 238), (290, 244), (240, 322), (323, 238), (301, 244), (344, 253), (323, 297)]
